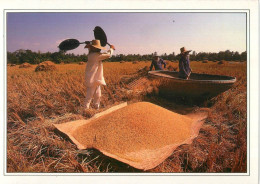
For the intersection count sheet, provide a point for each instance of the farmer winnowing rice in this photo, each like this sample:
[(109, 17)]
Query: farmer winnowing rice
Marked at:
[(184, 64), (157, 63), (94, 72)]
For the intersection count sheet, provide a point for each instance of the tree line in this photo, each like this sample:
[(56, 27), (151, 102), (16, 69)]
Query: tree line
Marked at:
[(22, 56)]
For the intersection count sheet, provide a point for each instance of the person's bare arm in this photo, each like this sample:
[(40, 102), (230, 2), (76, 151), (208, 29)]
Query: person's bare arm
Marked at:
[(108, 54)]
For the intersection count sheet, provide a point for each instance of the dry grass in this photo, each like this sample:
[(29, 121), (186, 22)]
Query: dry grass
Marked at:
[(171, 68), (38, 99), (10, 65), (222, 62)]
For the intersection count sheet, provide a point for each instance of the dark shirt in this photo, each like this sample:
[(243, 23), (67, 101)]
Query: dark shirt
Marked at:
[(184, 66), (158, 65)]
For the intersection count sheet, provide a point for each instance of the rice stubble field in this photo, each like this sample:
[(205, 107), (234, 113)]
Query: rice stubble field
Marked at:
[(36, 100)]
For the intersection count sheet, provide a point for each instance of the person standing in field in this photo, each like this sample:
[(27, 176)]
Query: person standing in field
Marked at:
[(184, 64), (94, 72), (157, 63)]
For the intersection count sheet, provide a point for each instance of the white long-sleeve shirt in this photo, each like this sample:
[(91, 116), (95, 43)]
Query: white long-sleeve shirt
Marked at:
[(94, 69)]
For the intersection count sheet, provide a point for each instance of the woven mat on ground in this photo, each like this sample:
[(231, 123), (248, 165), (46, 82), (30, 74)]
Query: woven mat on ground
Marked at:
[(142, 134)]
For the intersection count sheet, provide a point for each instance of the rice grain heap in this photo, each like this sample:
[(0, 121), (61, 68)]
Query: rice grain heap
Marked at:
[(141, 134)]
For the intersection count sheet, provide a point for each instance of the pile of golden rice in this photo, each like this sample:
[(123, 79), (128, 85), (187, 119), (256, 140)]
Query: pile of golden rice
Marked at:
[(141, 134)]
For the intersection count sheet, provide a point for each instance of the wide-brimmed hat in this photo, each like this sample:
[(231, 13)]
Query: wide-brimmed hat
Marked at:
[(183, 50), (96, 44)]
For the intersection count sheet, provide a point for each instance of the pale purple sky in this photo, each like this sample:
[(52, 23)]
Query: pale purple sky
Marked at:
[(131, 33)]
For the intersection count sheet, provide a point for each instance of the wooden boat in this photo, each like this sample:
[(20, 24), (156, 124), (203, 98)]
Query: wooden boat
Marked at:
[(201, 86)]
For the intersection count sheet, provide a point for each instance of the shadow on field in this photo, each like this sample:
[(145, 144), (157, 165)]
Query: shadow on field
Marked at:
[(95, 159), (178, 105)]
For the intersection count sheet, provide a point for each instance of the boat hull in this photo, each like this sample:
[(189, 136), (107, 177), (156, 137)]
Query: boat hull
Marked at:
[(201, 86)]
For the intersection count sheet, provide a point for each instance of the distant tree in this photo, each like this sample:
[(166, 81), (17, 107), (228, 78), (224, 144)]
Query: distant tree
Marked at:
[(228, 55), (12, 58), (193, 56), (201, 56), (154, 54), (36, 60), (212, 56), (27, 56), (236, 56), (243, 56), (57, 57), (21, 56)]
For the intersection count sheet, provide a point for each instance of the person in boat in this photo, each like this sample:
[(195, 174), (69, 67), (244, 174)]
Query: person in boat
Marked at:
[(184, 64), (94, 72), (157, 63)]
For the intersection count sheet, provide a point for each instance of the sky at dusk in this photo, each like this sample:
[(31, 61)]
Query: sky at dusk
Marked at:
[(131, 33)]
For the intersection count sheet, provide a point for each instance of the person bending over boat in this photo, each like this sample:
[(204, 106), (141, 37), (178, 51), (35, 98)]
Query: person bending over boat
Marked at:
[(157, 63), (184, 64), (94, 72)]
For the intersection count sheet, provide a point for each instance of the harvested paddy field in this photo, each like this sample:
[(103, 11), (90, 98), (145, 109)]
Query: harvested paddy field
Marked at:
[(36, 100)]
